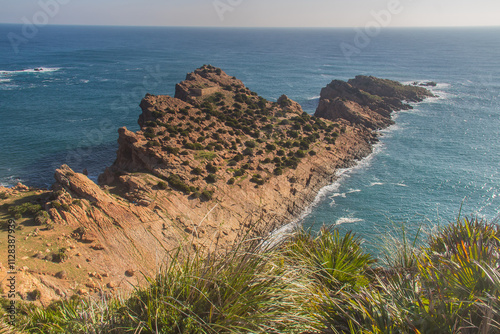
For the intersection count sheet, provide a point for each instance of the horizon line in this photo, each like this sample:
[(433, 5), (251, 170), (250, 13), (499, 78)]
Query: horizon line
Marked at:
[(258, 27)]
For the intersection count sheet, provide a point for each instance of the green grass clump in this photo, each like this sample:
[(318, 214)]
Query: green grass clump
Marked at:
[(335, 261), (307, 282), (30, 208), (450, 285), (238, 292)]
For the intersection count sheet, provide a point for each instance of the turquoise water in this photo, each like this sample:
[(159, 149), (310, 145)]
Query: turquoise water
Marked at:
[(439, 156)]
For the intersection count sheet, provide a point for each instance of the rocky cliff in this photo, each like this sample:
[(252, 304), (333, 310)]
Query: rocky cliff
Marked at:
[(367, 100), (212, 163)]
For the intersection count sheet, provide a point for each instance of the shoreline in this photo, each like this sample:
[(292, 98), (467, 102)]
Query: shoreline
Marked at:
[(324, 191)]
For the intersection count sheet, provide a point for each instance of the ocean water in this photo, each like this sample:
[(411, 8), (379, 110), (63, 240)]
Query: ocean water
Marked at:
[(439, 157)]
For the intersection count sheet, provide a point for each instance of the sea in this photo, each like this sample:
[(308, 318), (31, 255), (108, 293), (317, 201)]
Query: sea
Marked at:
[(65, 90)]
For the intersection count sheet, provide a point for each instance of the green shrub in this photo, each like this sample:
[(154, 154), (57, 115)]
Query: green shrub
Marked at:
[(27, 207), (61, 255), (270, 147), (250, 143), (257, 178), (196, 171), (55, 204), (172, 150), (247, 151), (207, 195), (211, 168), (231, 180), (41, 218), (162, 185), (300, 154), (211, 178), (176, 183)]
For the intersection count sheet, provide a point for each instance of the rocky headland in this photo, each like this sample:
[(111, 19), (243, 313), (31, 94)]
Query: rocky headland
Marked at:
[(211, 163)]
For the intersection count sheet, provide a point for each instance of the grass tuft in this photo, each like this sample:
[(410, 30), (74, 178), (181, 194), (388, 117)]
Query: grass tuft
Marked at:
[(309, 282)]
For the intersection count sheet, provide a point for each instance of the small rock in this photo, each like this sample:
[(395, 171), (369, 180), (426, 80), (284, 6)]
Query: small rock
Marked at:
[(130, 273), (105, 275), (49, 245), (38, 255), (21, 187), (78, 254), (79, 266), (97, 247), (60, 293), (82, 291), (111, 285), (91, 285), (62, 274)]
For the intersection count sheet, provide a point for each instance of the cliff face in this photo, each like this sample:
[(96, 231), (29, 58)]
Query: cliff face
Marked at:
[(208, 165), (367, 101)]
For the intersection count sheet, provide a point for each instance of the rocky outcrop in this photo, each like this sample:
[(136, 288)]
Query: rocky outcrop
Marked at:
[(367, 100), (208, 165)]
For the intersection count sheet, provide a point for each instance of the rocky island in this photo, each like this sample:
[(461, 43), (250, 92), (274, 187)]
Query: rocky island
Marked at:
[(211, 163)]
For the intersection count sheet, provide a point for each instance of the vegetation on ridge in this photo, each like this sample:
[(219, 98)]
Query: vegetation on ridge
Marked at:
[(307, 283)]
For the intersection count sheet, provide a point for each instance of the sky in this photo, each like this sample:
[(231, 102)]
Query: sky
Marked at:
[(254, 13)]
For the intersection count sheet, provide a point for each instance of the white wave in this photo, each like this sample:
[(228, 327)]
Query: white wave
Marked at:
[(400, 184), (421, 83), (437, 90), (313, 98), (387, 132), (10, 181), (376, 184), (343, 195), (340, 176), (348, 220), (8, 87), (31, 70), (79, 120), (84, 81), (5, 80)]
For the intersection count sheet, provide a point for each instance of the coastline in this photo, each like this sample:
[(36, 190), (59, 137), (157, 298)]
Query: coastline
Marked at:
[(153, 198)]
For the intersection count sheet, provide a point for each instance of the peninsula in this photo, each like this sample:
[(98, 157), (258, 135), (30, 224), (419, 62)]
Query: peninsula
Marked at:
[(211, 163)]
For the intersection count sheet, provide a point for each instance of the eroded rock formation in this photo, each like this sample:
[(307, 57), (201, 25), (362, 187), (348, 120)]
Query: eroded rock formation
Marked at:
[(209, 164)]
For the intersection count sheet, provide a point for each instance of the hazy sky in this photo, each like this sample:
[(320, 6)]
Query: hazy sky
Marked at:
[(267, 13)]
